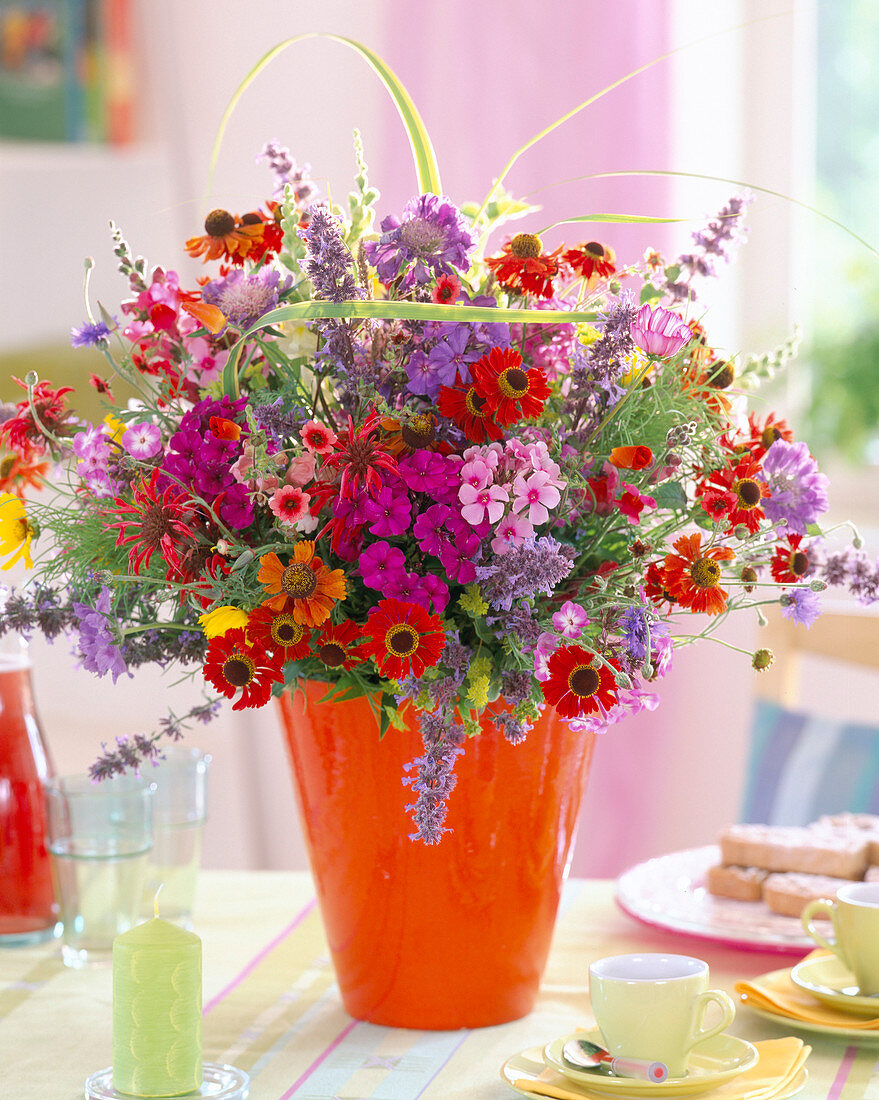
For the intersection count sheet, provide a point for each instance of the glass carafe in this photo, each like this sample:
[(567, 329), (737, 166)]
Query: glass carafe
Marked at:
[(27, 897)]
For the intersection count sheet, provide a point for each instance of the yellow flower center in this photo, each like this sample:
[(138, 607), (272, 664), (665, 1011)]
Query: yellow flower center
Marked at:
[(584, 680), (6, 465), (401, 640), (298, 580), (474, 402), (419, 431), (526, 246), (705, 573)]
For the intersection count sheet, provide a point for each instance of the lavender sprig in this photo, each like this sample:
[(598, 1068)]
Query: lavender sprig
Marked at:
[(131, 753)]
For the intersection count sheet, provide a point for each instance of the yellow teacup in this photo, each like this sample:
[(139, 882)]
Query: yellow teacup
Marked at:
[(653, 1006), (855, 918)]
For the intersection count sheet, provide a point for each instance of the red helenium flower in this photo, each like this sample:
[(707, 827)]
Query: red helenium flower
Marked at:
[(234, 663), (577, 685), (403, 638), (511, 393)]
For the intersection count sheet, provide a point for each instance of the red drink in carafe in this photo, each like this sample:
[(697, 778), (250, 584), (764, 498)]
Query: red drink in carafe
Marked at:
[(27, 896)]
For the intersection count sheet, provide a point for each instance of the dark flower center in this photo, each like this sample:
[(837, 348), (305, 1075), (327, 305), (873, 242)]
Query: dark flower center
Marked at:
[(286, 631), (513, 382), (749, 576), (332, 654), (6, 465), (298, 580), (238, 670), (401, 640), (474, 402), (218, 223), (526, 246), (421, 235), (154, 525), (769, 435), (705, 573), (593, 248), (799, 563), (251, 219), (722, 376), (419, 431), (584, 680), (748, 493)]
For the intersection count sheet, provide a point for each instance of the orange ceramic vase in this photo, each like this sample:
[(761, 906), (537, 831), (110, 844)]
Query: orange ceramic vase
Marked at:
[(449, 935)]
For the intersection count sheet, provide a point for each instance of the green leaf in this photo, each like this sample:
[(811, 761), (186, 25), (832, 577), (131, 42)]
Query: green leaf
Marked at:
[(638, 219), (670, 494), (423, 155)]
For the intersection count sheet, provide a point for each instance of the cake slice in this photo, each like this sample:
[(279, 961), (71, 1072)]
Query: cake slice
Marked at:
[(838, 853)]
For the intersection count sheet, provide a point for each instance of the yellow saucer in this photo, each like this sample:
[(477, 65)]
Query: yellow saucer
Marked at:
[(711, 1062), (528, 1066), (830, 980)]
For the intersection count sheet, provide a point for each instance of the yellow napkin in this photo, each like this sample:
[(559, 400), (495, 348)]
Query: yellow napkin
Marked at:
[(779, 1063), (776, 993)]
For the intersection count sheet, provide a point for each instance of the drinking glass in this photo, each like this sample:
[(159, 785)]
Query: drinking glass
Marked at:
[(99, 838), (179, 814)]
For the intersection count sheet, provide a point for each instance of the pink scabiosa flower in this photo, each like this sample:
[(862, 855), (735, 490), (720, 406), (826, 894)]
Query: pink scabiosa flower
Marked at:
[(142, 440), (289, 504), (317, 437), (571, 620), (659, 332), (511, 531)]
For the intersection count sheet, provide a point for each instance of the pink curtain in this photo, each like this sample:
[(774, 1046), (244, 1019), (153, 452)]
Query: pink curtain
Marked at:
[(487, 77)]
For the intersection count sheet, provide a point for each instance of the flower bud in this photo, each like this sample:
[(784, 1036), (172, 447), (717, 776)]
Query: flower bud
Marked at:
[(762, 659)]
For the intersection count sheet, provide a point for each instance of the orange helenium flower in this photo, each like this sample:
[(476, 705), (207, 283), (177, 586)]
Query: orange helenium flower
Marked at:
[(466, 406), (693, 578), (525, 267), (224, 237), (305, 582), (591, 259)]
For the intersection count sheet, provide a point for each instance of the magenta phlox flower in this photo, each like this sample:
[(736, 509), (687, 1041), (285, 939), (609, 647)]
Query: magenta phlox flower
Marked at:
[(458, 566), (142, 440), (389, 512), (481, 504), (430, 473), (537, 494), (571, 619), (512, 531), (235, 506), (380, 563), (801, 605), (798, 490), (429, 528), (658, 331), (632, 503)]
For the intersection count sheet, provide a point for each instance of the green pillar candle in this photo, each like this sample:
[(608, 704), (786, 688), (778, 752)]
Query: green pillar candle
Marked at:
[(157, 1010)]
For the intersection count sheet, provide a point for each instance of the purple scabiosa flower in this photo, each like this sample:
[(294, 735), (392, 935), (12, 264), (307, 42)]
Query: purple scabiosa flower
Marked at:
[(432, 239), (798, 490), (90, 335), (98, 648), (286, 171), (142, 440), (434, 779), (660, 332), (243, 299), (801, 606)]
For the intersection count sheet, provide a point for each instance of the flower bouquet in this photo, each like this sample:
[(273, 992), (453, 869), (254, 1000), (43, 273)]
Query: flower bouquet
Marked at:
[(431, 467)]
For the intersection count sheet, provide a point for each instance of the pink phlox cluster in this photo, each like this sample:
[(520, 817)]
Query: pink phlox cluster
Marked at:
[(142, 441), (93, 451), (513, 487), (570, 620)]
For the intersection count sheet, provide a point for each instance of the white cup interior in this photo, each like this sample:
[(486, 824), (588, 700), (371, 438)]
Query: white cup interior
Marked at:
[(860, 893), (651, 967)]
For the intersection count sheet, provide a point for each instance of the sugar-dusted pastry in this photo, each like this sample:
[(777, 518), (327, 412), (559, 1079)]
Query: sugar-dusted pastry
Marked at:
[(835, 852), (865, 825), (789, 892), (742, 883)]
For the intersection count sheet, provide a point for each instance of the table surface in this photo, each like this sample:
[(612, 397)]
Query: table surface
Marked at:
[(272, 1007)]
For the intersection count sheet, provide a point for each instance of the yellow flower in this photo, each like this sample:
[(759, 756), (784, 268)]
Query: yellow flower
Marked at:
[(478, 691), (221, 619), (15, 531), (114, 428), (588, 334)]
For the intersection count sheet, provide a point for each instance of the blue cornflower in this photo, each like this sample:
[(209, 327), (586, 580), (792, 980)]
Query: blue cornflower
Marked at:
[(90, 335), (801, 606)]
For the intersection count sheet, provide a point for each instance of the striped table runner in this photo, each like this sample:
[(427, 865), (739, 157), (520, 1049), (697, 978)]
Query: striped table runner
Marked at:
[(272, 1008)]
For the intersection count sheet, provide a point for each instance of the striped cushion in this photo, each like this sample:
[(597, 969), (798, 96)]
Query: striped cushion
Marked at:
[(801, 766)]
